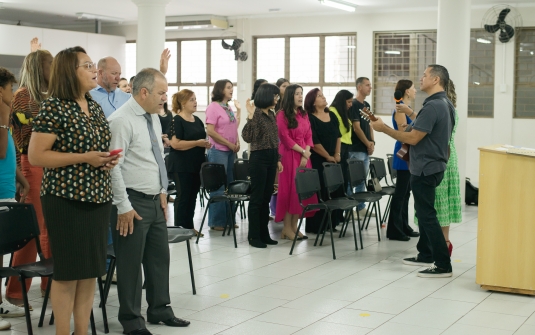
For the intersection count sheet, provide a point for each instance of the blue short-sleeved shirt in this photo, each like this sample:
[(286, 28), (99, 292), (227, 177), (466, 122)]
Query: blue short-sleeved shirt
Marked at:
[(111, 101), (8, 166)]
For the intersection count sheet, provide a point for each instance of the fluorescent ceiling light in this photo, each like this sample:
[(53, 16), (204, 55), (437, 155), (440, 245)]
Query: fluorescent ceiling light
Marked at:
[(531, 53), (484, 41), (195, 23), (476, 82), (171, 28), (89, 16), (393, 52), (351, 47), (338, 4)]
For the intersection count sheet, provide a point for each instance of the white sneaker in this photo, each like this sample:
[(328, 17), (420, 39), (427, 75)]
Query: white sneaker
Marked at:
[(8, 310), (4, 325), (364, 212)]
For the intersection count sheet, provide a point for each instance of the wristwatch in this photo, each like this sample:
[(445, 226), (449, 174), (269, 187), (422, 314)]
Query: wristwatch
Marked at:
[(303, 152)]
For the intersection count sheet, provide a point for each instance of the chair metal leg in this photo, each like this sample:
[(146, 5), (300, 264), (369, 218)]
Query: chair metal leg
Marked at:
[(332, 234), (103, 306), (109, 278), (26, 304), (298, 229), (377, 224), (360, 230), (51, 319), (344, 230), (321, 228), (354, 231), (387, 210), (45, 301), (10, 264), (92, 322), (202, 222), (191, 269)]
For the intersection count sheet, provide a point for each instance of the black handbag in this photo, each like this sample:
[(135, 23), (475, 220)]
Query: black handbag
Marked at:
[(240, 187)]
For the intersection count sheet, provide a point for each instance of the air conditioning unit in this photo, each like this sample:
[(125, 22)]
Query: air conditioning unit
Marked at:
[(195, 23)]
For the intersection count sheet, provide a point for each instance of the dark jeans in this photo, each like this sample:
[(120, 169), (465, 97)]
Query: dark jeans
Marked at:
[(398, 221), (262, 171), (432, 244), (189, 185)]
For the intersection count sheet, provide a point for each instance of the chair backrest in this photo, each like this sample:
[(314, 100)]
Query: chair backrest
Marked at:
[(213, 176), (357, 173), (393, 172), (333, 177), (378, 167), (245, 154), (241, 169), (18, 226), (307, 183)]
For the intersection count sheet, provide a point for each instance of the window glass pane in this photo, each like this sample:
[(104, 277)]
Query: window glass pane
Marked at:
[(193, 67), (400, 56), (525, 74), (201, 93), (330, 92), (223, 64), (307, 89), (304, 59), (170, 91), (481, 78), (340, 59), (171, 74), (270, 59), (129, 68)]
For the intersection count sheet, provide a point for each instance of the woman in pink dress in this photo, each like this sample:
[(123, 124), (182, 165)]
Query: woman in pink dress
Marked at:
[(295, 142)]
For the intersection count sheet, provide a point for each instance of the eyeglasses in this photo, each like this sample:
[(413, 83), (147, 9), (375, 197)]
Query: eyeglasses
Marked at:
[(277, 97), (88, 65)]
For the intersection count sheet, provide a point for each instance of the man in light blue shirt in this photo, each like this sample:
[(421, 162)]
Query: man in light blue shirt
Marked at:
[(107, 94)]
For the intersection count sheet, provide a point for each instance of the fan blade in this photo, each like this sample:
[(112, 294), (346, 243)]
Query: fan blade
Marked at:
[(225, 45), (492, 28), (503, 14), (506, 34), (236, 54)]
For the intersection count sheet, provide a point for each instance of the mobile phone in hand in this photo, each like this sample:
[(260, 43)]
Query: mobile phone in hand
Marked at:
[(115, 152)]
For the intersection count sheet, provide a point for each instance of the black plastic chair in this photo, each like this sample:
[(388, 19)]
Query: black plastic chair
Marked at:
[(241, 172), (213, 177), (378, 170), (333, 177), (393, 172), (357, 174), (245, 154), (307, 184), (18, 227)]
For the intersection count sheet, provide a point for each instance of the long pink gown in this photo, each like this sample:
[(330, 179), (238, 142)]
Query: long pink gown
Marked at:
[(287, 200)]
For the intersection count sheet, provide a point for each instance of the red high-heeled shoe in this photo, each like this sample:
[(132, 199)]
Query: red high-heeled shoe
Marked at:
[(450, 247)]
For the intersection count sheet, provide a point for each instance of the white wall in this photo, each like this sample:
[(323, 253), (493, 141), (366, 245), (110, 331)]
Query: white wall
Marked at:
[(15, 40), (480, 131)]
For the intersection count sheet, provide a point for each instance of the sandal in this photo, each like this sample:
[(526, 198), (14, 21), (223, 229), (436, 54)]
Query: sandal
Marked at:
[(197, 233), (217, 228)]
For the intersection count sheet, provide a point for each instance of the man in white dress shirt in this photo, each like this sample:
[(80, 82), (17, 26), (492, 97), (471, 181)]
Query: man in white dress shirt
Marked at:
[(139, 194)]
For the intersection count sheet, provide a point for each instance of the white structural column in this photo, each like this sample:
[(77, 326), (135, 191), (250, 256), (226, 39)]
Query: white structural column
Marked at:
[(453, 52), (150, 32)]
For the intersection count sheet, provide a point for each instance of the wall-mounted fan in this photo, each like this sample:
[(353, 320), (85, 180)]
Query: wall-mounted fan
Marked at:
[(236, 44), (503, 19)]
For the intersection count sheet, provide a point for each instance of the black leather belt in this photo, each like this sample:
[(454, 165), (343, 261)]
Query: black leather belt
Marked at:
[(142, 195)]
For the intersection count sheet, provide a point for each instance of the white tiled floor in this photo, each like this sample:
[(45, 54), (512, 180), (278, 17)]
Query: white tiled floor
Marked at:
[(267, 291)]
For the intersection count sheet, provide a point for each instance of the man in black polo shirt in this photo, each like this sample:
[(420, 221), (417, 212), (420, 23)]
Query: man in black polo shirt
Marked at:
[(362, 143), (428, 137)]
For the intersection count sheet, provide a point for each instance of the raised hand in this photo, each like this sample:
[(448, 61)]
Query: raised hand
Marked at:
[(34, 44), (164, 60)]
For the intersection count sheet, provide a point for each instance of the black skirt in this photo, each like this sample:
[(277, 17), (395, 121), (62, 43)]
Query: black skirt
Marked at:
[(78, 234)]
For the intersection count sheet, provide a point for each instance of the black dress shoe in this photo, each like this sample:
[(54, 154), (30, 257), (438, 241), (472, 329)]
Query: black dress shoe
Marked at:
[(176, 322), (253, 242), (140, 331), (404, 238), (413, 234)]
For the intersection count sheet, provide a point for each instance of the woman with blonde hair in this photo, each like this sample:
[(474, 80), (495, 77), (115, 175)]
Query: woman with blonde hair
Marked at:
[(33, 87), (188, 145)]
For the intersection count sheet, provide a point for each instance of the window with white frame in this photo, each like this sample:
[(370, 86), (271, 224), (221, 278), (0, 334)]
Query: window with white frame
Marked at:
[(400, 55), (323, 61), (481, 77), (194, 64), (525, 74)]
